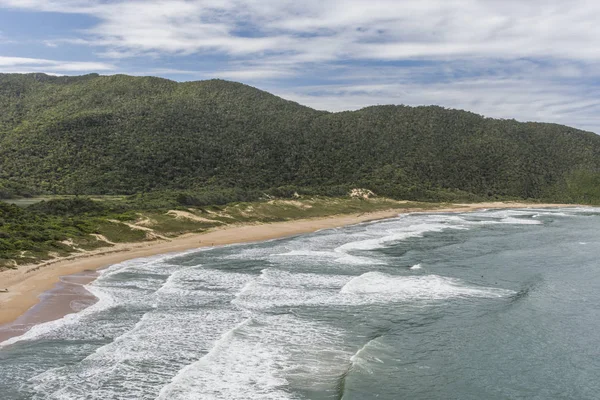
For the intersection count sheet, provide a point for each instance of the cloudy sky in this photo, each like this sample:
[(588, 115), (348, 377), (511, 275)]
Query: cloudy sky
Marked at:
[(532, 60)]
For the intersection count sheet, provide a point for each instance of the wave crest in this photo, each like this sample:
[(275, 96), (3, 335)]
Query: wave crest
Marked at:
[(377, 285)]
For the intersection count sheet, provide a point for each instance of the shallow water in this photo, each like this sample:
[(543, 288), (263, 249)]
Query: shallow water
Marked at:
[(487, 305)]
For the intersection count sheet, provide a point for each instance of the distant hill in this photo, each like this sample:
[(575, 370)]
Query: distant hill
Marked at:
[(120, 135)]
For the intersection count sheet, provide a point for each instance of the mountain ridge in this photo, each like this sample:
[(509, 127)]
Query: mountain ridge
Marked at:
[(43, 77), (117, 134)]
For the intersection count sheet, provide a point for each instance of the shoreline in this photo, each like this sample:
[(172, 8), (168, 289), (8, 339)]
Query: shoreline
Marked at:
[(30, 287), (69, 295)]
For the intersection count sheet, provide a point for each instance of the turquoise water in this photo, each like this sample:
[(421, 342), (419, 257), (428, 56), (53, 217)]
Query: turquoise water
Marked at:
[(488, 305)]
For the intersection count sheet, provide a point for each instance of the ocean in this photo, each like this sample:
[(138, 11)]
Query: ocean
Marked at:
[(501, 304)]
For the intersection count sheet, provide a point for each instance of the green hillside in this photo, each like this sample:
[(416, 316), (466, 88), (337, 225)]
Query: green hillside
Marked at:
[(123, 135)]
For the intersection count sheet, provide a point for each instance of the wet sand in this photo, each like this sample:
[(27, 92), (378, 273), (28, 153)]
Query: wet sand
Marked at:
[(66, 297), (51, 290)]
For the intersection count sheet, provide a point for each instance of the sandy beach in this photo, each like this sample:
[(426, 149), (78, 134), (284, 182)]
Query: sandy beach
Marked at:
[(29, 285)]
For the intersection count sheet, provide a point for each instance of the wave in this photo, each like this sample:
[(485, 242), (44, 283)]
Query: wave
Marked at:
[(529, 287), (354, 245), (105, 301), (261, 358), (360, 359), (134, 284), (387, 233), (515, 217), (275, 288), (415, 230), (380, 287), (351, 245), (144, 357), (196, 286), (141, 360), (336, 256), (221, 373), (520, 221)]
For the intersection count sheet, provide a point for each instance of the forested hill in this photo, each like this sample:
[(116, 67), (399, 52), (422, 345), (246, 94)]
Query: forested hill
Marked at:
[(120, 134)]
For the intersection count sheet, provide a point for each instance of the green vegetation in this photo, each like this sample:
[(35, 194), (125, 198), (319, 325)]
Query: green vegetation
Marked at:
[(94, 160), (27, 236), (226, 141), (12, 190), (59, 227)]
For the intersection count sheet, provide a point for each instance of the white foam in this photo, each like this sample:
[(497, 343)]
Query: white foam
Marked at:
[(516, 217), (416, 266), (520, 221), (223, 374), (276, 288), (342, 246), (307, 253), (142, 360), (196, 286), (564, 212), (105, 301), (380, 287), (363, 357), (408, 229), (148, 264), (578, 210), (500, 214), (272, 276), (145, 279), (167, 337), (260, 359), (356, 260), (336, 256), (130, 287)]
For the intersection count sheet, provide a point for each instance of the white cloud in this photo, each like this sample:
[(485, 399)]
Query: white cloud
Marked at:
[(21, 64), (252, 74), (532, 60), (352, 29), (314, 30)]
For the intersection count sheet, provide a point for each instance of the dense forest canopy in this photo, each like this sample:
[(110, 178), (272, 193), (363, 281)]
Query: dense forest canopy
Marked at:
[(123, 135)]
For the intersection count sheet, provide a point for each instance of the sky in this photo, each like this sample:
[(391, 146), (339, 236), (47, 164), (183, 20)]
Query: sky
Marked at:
[(531, 60)]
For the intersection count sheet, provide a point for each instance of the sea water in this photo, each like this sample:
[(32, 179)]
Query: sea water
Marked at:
[(485, 305)]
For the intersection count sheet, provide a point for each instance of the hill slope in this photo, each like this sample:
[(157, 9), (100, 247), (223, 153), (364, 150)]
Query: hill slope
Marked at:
[(120, 134)]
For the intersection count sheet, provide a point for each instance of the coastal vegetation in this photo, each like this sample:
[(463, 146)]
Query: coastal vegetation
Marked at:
[(59, 227), (92, 160)]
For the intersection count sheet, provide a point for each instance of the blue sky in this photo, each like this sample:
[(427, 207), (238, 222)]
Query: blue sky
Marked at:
[(534, 60)]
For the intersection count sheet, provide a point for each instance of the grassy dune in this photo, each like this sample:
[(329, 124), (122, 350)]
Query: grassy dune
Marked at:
[(32, 234)]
